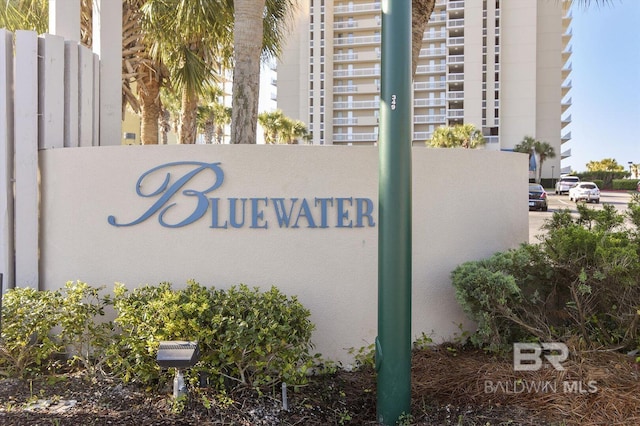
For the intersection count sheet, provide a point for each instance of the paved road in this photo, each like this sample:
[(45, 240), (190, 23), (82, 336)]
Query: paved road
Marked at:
[(558, 202)]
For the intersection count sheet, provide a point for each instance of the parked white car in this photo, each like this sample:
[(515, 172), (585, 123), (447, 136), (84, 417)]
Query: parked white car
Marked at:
[(566, 183), (587, 191)]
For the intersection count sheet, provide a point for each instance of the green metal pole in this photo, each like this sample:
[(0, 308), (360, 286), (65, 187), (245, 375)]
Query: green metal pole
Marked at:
[(393, 344)]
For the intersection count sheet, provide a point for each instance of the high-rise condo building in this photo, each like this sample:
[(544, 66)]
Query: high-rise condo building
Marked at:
[(501, 65)]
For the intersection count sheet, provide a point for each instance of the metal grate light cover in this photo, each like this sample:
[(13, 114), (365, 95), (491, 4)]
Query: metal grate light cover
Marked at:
[(177, 353)]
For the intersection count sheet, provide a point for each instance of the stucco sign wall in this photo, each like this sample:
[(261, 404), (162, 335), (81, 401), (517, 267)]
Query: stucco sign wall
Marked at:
[(302, 218)]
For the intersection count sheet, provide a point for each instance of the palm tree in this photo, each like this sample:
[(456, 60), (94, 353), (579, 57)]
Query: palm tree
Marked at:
[(420, 14), (458, 136), (299, 131), (25, 15), (469, 135), (221, 119), (281, 129), (137, 66), (259, 30), (526, 146), (271, 123), (149, 74), (532, 147), (544, 151), (192, 38), (247, 43), (207, 112)]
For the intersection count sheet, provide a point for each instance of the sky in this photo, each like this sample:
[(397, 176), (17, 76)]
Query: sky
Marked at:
[(605, 76)]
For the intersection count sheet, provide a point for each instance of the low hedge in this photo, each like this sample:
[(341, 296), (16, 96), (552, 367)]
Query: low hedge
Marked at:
[(245, 336), (625, 184)]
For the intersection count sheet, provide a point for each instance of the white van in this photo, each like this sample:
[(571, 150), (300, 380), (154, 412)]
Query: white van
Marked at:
[(566, 183)]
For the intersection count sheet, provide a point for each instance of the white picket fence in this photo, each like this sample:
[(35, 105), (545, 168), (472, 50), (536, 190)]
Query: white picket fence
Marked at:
[(49, 99)]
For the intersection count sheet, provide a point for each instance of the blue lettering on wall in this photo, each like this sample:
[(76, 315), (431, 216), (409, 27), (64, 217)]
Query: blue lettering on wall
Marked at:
[(236, 212)]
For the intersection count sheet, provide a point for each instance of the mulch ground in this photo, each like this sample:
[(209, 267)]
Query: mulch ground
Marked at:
[(450, 386)]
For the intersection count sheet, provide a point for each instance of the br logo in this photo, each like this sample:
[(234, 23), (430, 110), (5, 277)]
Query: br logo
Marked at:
[(528, 356)]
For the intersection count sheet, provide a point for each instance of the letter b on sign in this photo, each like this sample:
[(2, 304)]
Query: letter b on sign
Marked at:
[(526, 356)]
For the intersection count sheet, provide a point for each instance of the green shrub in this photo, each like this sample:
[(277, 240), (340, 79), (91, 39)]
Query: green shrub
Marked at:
[(581, 283), (42, 329), (599, 182), (502, 293), (244, 335), (625, 184), (28, 318)]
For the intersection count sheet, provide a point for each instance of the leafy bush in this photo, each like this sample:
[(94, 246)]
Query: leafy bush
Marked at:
[(245, 336), (41, 329), (625, 184), (582, 282)]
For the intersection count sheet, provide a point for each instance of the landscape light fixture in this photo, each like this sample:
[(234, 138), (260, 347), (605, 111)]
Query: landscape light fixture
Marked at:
[(178, 354)]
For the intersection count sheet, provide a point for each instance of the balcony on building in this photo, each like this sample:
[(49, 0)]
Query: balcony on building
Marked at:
[(347, 138), (566, 87), (345, 57), (564, 106), (345, 25), (356, 72), (345, 121), (492, 139), (455, 59), (455, 41), (434, 35), (566, 54), (429, 85), (429, 119), (356, 41), (356, 105), (565, 138), (361, 24), (455, 9), (438, 17), (565, 154), (357, 8), (566, 37), (422, 136), (455, 114), (344, 88), (433, 52), (455, 23), (429, 102), (566, 70), (455, 95), (455, 5), (431, 69), (565, 121)]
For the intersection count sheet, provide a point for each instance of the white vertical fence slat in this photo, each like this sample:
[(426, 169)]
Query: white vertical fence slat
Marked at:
[(85, 96), (49, 98), (64, 19), (107, 43), (71, 96), (6, 159), (26, 159), (51, 93), (96, 100)]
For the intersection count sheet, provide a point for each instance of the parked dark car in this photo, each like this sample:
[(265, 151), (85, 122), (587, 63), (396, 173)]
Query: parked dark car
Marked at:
[(537, 197)]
